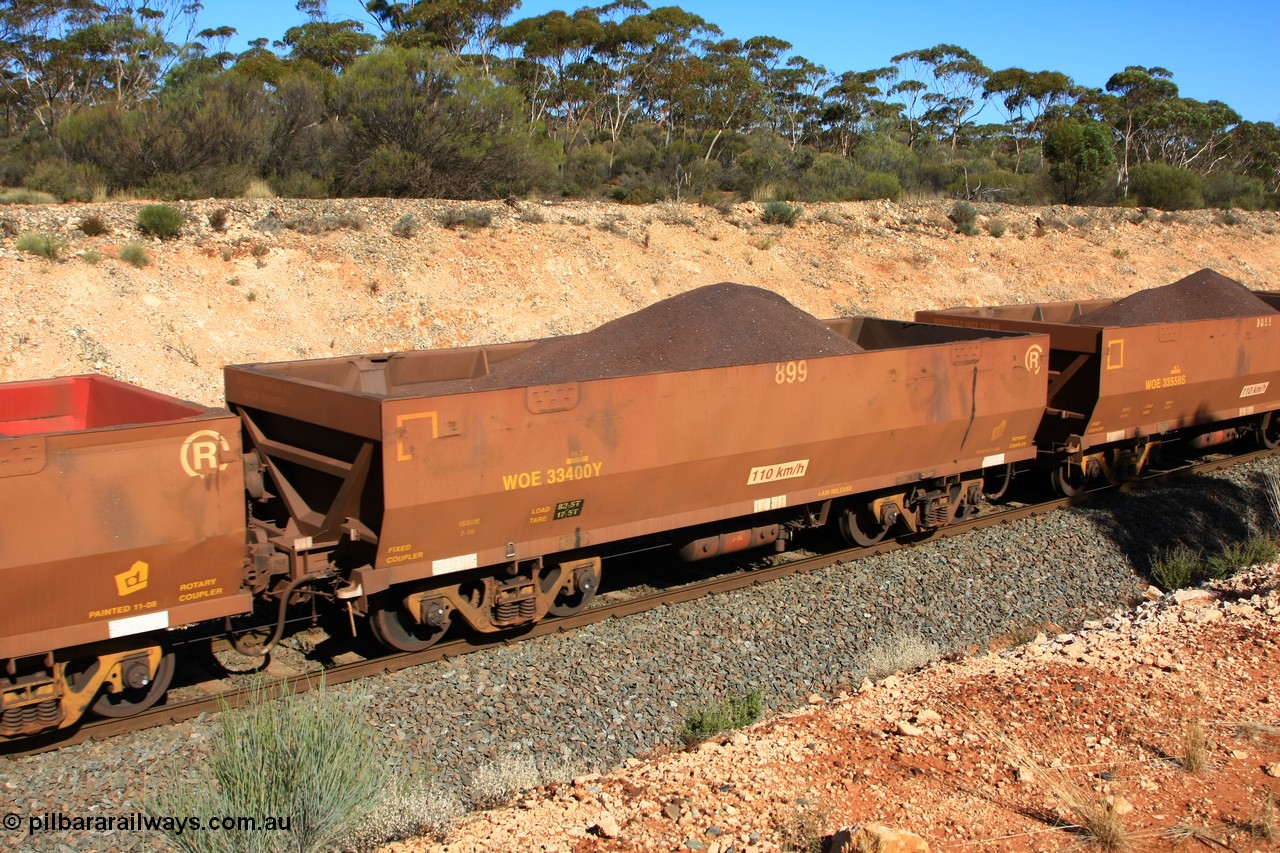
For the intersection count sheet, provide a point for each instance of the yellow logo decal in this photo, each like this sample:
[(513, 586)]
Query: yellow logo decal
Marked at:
[(1032, 360), (200, 452), (133, 580)]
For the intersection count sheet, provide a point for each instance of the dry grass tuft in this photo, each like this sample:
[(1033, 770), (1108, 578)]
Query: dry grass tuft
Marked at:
[(1263, 824), (1098, 817), (1272, 479), (1195, 746), (1252, 729), (1181, 833), (905, 652)]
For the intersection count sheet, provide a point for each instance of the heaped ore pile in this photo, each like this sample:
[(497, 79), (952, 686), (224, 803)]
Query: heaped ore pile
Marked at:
[(719, 325), (1203, 295)]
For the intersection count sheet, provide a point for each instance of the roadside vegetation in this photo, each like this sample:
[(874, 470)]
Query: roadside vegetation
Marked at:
[(630, 103), (735, 712)]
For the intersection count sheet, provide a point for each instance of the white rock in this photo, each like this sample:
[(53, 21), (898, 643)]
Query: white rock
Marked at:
[(606, 826)]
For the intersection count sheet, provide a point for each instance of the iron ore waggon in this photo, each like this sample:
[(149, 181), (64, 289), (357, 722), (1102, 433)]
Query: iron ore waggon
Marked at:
[(436, 485), (1196, 361), (486, 485), (123, 516)]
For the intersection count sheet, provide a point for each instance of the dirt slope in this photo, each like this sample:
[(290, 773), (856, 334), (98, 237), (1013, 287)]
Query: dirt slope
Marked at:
[(292, 279)]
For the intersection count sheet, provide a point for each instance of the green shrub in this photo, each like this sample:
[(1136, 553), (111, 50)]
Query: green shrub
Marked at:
[(134, 253), (968, 229), (301, 185), (963, 213), (1227, 190), (471, 218), (161, 220), (829, 178), (1241, 555), (1166, 187), (91, 256), (780, 213), (734, 713), (48, 246), (879, 185), (25, 196), (303, 757), (1176, 568), (406, 226), (996, 227), (172, 187), (62, 180), (92, 226)]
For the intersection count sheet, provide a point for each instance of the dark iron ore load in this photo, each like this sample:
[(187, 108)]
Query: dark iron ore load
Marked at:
[(1203, 295), (718, 325)]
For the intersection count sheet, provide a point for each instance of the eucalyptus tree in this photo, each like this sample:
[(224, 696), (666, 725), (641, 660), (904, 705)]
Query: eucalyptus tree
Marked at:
[(460, 27), (329, 44), (1080, 156), (61, 55), (942, 87), (1027, 97), (556, 68), (856, 104), (1189, 134), (1129, 107)]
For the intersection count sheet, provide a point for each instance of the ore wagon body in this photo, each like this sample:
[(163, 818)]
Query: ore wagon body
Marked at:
[(123, 515), (496, 503), (1115, 390)]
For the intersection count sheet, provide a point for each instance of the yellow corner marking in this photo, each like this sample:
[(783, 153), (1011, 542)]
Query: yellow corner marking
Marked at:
[(401, 455), (134, 579), (1115, 354)]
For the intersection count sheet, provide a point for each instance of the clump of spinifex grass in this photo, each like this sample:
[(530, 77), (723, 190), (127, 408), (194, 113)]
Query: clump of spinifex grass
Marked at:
[(1195, 746), (1098, 817), (282, 757)]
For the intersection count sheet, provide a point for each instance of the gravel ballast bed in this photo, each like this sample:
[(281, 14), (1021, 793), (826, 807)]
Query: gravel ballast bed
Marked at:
[(623, 688)]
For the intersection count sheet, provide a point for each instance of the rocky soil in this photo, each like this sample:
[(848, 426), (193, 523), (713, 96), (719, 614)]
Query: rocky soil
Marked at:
[(290, 279), (958, 754)]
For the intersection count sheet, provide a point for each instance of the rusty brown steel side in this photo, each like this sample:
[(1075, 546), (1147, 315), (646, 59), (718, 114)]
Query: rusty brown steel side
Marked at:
[(123, 513), (482, 479), (1114, 384)]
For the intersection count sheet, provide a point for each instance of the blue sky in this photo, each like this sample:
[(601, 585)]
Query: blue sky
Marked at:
[(1228, 50)]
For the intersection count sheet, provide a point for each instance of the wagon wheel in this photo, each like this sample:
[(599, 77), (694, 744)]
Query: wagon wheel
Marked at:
[(585, 584), (135, 700), (395, 628), (1269, 432), (1068, 480), (996, 482), (859, 526)]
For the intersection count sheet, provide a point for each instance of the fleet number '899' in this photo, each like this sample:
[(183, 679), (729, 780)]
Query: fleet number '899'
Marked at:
[(791, 372)]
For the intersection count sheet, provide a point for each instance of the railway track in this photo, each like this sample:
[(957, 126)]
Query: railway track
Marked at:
[(189, 708)]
